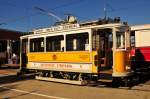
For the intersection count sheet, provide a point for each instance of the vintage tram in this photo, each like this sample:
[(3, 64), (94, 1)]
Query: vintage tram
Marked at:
[(78, 53)]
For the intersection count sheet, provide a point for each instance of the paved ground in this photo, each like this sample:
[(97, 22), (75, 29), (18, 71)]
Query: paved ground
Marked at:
[(12, 87), (7, 71)]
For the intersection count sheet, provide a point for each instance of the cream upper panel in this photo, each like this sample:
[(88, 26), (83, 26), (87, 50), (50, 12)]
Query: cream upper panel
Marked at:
[(142, 38)]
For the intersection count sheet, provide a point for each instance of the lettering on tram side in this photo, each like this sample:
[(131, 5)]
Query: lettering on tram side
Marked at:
[(54, 65), (78, 66), (47, 65), (64, 66)]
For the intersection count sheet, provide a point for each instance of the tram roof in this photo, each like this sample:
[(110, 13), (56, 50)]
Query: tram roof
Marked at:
[(78, 27), (140, 27)]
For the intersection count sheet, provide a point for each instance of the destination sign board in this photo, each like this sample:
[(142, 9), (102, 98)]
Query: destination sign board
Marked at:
[(56, 28)]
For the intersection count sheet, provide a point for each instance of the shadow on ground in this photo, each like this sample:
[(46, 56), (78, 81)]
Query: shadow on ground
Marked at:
[(14, 78), (143, 80)]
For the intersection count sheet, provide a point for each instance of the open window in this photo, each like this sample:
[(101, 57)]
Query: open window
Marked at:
[(24, 45), (132, 39), (77, 42), (24, 51), (55, 43), (120, 40), (37, 45)]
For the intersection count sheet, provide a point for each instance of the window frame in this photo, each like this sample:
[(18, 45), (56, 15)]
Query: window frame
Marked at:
[(76, 38), (29, 44), (48, 36)]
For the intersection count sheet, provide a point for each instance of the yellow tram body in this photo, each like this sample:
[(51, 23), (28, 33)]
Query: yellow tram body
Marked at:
[(120, 65)]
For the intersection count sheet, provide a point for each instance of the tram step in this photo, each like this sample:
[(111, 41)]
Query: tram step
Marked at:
[(105, 80), (105, 76), (62, 80)]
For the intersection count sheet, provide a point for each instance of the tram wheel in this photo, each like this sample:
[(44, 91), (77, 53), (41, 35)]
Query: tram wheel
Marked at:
[(116, 82), (127, 82)]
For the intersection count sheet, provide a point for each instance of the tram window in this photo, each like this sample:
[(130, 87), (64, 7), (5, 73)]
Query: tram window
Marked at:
[(77, 42), (120, 40), (37, 45), (132, 38), (55, 43), (24, 46), (3, 45)]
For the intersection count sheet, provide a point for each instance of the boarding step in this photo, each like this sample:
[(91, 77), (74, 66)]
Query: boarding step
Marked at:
[(105, 80), (62, 80), (105, 77)]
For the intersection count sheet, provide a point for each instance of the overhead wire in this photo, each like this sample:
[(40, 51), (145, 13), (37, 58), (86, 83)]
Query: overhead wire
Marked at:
[(31, 15), (127, 8)]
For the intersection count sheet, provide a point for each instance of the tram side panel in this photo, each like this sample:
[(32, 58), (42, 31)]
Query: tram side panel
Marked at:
[(63, 61)]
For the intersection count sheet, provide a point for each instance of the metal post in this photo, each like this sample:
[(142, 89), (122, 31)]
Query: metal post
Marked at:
[(64, 42), (90, 40), (45, 44), (114, 46)]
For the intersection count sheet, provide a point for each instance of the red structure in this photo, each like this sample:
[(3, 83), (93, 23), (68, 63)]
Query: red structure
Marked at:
[(141, 44)]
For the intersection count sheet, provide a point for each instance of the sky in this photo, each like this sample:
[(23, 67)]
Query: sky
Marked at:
[(22, 15)]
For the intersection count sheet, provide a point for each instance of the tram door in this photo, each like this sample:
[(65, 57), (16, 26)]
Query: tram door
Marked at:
[(102, 42), (106, 57), (24, 49)]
